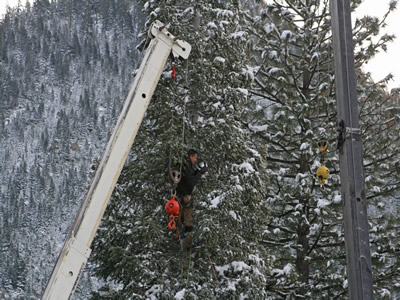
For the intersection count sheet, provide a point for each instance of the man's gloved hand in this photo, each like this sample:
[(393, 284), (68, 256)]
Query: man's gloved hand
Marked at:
[(203, 167)]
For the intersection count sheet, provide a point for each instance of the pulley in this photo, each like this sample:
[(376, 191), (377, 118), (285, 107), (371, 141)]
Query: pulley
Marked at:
[(172, 208), (322, 174), (175, 176)]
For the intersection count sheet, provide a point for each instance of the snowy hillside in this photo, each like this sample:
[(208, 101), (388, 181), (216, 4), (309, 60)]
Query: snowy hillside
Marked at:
[(65, 72)]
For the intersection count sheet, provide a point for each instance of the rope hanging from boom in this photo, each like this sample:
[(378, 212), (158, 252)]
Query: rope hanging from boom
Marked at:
[(172, 207)]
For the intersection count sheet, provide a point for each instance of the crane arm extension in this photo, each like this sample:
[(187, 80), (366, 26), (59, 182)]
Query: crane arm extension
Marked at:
[(76, 249)]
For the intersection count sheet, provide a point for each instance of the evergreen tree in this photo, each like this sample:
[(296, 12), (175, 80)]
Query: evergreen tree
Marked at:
[(134, 248), (294, 90)]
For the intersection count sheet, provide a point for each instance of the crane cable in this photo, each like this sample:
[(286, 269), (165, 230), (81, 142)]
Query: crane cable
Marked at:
[(186, 87)]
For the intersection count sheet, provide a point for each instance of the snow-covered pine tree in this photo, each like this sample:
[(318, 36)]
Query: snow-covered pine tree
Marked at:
[(294, 90), (133, 249), (381, 156)]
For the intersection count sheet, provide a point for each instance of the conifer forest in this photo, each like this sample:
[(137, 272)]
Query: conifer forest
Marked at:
[(254, 98)]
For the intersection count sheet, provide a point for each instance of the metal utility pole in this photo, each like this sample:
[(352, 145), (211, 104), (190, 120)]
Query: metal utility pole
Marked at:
[(358, 255)]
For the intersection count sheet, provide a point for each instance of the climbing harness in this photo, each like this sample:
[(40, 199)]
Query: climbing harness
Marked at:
[(172, 208)]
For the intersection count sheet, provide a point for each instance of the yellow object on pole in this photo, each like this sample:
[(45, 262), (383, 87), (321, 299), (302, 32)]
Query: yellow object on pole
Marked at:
[(322, 174)]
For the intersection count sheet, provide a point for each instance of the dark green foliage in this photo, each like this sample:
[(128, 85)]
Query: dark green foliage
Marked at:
[(229, 207)]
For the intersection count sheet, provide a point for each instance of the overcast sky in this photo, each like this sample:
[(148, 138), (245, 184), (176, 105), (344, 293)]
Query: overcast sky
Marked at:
[(380, 66)]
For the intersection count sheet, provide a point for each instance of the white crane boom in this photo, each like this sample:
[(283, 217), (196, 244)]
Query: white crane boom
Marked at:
[(76, 249)]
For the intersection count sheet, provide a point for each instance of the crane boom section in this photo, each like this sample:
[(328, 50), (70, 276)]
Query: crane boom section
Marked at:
[(76, 249)]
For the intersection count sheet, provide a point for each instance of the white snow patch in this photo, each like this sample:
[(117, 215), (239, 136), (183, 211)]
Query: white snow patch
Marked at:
[(243, 297), (224, 12), (288, 269), (337, 199), (323, 203), (243, 91), (188, 10), (345, 284), (231, 286), (385, 293), (256, 258), (247, 167), (286, 34), (255, 128), (239, 187), (250, 71), (180, 295), (216, 105), (238, 34), (278, 114), (268, 28), (315, 228), (384, 166), (273, 54), (234, 215), (304, 146), (272, 71), (221, 269), (376, 189), (216, 201), (240, 266), (212, 25), (297, 129), (219, 59), (315, 56), (154, 292)]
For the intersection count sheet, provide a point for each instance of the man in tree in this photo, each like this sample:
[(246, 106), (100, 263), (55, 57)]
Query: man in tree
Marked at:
[(191, 176)]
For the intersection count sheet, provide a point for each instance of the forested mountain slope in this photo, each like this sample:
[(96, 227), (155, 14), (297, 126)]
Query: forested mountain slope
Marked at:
[(65, 69)]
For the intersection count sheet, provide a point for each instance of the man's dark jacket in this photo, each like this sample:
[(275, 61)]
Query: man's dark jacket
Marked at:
[(190, 177)]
